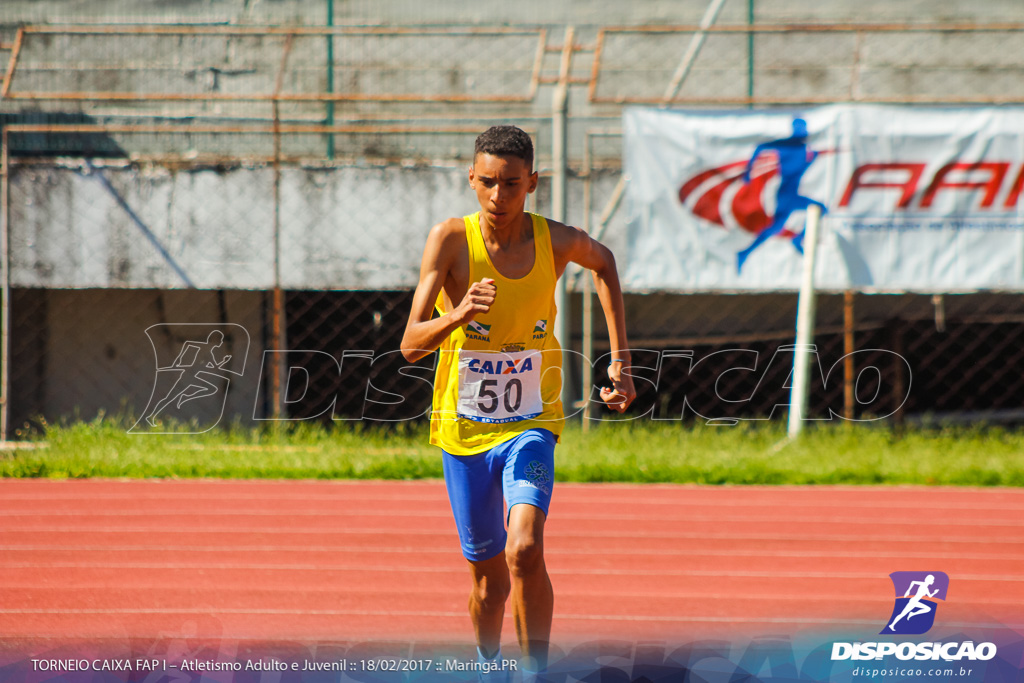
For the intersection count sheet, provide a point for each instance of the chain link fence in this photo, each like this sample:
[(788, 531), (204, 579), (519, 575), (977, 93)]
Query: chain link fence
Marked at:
[(117, 266), (927, 358), (76, 353), (276, 186), (818, 64)]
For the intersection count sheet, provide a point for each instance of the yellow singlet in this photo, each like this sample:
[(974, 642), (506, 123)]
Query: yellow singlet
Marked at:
[(501, 374)]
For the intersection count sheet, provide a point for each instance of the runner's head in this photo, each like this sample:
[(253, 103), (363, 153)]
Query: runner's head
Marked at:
[(799, 128), (505, 141), (502, 174)]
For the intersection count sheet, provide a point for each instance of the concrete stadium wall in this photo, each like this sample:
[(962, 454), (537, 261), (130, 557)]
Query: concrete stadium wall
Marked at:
[(155, 227)]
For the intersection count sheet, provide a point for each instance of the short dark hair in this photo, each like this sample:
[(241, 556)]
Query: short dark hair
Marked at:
[(505, 141)]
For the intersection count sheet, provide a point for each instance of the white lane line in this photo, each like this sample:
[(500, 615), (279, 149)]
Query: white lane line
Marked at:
[(342, 593), (231, 610), (552, 532), (459, 570), (551, 553), (376, 499), (461, 615), (754, 518)]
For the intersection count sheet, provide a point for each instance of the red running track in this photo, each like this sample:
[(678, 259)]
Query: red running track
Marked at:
[(273, 561)]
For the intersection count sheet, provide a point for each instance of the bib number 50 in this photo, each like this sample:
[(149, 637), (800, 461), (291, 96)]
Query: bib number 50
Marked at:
[(511, 397)]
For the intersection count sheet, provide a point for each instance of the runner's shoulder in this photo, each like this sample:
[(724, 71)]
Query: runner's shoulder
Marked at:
[(450, 231), (564, 236), (446, 244)]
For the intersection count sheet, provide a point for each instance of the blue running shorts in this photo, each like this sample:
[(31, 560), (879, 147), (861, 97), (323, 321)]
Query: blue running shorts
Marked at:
[(520, 470)]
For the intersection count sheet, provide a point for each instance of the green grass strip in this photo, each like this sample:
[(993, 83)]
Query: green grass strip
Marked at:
[(635, 451)]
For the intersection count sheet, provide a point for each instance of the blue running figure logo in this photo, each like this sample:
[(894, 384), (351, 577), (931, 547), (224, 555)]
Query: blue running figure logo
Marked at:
[(793, 159)]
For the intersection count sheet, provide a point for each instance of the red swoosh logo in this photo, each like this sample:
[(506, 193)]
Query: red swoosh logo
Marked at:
[(746, 207)]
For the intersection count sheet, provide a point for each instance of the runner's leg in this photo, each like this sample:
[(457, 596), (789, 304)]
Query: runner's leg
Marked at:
[(920, 609), (171, 395), (532, 595), (475, 493), (207, 388), (487, 598), (906, 609), (777, 226), (528, 482)]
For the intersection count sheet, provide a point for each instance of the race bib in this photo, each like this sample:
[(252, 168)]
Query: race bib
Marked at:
[(498, 386)]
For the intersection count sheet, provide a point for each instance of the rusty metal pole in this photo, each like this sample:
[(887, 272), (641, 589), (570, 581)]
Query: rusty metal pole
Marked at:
[(278, 380), (5, 265), (19, 39), (899, 384), (587, 367), (5, 281), (848, 348), (560, 170)]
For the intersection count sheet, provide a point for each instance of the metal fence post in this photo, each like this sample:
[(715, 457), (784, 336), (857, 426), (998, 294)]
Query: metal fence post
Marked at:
[(559, 116), (849, 329), (5, 283), (330, 79), (804, 328)]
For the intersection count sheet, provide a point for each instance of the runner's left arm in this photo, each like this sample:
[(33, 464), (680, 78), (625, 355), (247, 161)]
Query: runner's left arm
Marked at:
[(573, 245), (750, 162)]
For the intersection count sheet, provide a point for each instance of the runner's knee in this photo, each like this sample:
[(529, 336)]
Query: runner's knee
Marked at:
[(524, 555), (491, 595)]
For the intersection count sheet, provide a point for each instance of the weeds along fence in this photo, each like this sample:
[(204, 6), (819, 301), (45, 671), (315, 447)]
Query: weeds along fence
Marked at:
[(276, 184)]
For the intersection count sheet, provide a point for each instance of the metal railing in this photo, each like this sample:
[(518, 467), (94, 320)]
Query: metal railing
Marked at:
[(285, 37), (752, 64)]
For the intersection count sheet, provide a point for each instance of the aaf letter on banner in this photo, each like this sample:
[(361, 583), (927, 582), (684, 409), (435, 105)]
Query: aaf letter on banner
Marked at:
[(913, 199)]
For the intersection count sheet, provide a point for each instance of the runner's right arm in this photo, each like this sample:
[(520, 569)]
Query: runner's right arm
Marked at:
[(423, 333)]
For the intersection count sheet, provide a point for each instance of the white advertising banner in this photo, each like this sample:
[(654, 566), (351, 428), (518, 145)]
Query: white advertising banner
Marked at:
[(914, 199)]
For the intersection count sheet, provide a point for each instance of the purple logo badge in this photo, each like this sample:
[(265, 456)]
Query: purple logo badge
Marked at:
[(916, 592)]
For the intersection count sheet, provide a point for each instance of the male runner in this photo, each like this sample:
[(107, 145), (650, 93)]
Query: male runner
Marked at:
[(497, 414)]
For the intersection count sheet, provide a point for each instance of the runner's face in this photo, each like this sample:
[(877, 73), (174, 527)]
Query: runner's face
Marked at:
[(501, 185)]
